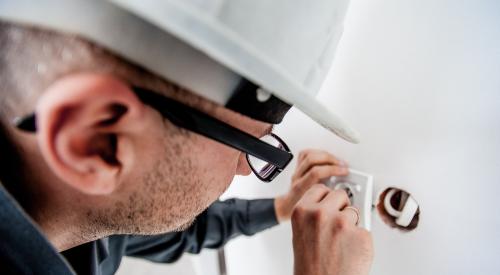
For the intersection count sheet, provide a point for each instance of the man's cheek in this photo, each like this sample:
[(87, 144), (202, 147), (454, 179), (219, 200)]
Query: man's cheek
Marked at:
[(222, 175), (223, 160), (219, 165)]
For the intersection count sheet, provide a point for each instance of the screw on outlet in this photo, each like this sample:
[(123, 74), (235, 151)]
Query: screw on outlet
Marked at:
[(347, 188), (349, 192)]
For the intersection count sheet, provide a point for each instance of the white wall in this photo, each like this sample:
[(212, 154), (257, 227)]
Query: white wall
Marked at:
[(420, 80)]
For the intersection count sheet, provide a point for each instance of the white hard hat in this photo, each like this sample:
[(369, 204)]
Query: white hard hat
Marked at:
[(256, 57)]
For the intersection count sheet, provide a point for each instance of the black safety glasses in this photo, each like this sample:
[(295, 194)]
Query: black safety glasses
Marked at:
[(267, 156)]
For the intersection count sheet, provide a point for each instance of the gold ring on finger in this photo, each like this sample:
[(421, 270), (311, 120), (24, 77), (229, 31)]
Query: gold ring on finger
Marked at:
[(355, 211)]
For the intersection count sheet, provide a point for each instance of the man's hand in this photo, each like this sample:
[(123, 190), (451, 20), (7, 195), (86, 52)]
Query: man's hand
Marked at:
[(312, 167), (326, 239)]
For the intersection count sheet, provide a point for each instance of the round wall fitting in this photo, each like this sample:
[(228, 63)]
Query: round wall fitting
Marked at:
[(398, 209)]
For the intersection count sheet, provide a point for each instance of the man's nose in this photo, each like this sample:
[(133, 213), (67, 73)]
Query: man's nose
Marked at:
[(243, 168)]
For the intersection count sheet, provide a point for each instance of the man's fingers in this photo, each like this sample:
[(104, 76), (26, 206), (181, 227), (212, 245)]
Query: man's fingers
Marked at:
[(351, 214), (337, 199), (312, 158), (315, 194), (315, 158), (314, 176), (318, 173), (304, 153)]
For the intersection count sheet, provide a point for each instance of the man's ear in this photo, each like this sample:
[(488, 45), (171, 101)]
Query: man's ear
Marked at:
[(84, 124)]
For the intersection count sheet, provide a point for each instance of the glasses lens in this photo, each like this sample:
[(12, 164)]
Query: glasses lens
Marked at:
[(263, 168)]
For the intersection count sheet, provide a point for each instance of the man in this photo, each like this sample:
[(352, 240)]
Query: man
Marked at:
[(97, 150)]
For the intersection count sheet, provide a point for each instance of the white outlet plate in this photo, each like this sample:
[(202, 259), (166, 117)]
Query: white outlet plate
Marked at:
[(361, 186)]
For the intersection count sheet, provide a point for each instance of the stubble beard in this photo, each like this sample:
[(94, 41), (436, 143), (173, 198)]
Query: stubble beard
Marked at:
[(168, 198)]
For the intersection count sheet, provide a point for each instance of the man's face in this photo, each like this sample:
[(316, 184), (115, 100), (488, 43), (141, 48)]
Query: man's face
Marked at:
[(157, 179), (117, 159), (180, 174)]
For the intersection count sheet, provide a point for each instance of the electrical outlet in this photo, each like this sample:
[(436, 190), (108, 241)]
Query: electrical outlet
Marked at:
[(359, 187)]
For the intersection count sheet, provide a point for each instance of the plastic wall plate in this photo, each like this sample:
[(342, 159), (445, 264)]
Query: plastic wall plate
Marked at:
[(359, 187)]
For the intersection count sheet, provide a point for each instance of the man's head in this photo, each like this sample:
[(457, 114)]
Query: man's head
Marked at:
[(99, 152)]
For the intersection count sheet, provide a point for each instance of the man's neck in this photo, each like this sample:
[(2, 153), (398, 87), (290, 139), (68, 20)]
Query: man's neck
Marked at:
[(66, 230)]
